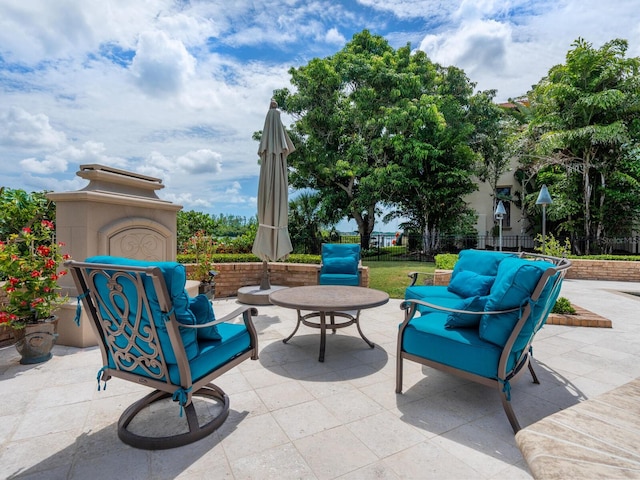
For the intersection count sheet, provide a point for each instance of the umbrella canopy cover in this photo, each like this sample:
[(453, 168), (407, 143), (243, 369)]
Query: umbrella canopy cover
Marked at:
[(272, 239)]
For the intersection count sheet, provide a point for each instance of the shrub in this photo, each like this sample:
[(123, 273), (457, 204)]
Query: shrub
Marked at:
[(563, 307), (446, 261)]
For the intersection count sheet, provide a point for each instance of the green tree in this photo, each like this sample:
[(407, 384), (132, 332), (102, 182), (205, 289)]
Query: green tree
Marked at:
[(190, 222), (586, 132), (305, 223), (373, 126)]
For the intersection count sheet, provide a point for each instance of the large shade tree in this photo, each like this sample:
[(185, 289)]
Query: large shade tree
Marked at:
[(376, 126), (585, 129)]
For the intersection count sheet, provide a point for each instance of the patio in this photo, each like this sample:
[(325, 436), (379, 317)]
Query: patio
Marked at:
[(293, 417)]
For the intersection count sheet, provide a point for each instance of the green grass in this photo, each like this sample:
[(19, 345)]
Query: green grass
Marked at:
[(391, 277)]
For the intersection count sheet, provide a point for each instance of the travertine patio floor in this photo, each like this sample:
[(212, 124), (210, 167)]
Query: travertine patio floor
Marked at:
[(293, 417)]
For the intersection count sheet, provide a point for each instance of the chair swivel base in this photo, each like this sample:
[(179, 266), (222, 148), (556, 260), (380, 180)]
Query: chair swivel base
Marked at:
[(196, 431)]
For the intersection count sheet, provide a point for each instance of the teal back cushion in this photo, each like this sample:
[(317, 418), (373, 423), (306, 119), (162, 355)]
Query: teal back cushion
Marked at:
[(482, 262), (175, 278), (515, 281)]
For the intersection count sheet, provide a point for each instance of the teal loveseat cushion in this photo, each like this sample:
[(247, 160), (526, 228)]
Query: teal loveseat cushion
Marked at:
[(514, 284), (480, 262), (427, 337), (175, 278), (436, 294), (234, 340)]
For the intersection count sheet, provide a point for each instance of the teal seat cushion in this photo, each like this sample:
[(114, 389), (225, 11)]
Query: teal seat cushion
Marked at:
[(481, 262), (202, 309), (466, 320), (515, 281), (339, 279), (234, 340), (427, 337), (175, 278), (470, 284)]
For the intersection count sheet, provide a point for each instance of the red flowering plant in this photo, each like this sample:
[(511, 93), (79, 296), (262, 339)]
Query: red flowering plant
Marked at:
[(29, 263)]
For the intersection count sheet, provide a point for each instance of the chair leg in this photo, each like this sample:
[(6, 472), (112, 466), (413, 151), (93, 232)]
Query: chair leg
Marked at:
[(196, 431), (399, 373), (508, 409), (533, 374)]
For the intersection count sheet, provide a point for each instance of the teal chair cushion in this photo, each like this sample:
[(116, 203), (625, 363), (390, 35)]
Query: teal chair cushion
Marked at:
[(202, 309), (234, 340), (175, 278), (514, 284), (339, 279), (428, 337), (340, 263), (470, 284), (465, 320)]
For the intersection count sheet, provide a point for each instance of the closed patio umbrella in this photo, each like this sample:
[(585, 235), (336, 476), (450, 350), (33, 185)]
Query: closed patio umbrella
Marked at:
[(272, 239)]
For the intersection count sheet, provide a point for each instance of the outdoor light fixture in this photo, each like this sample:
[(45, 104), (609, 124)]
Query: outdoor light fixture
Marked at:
[(544, 199), (499, 214)]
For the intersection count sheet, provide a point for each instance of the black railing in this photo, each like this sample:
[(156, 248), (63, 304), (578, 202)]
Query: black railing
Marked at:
[(391, 247)]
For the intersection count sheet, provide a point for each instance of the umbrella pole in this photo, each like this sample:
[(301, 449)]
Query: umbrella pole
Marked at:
[(264, 283)]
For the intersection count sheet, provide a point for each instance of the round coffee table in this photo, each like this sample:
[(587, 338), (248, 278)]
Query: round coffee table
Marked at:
[(334, 300)]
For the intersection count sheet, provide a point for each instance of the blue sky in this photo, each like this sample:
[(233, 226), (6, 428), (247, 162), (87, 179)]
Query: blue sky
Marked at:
[(175, 89)]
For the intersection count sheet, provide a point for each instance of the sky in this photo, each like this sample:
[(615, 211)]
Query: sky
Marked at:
[(176, 89)]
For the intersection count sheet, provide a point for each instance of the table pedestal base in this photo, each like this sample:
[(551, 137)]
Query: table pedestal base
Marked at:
[(350, 316)]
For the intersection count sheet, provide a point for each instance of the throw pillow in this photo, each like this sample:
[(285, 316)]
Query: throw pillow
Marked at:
[(469, 284), (203, 311), (466, 320)]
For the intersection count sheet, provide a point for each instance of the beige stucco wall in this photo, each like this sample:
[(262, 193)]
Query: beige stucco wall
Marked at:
[(483, 203)]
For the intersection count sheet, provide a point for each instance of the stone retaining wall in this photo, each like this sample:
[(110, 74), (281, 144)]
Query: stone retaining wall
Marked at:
[(232, 276), (619, 270)]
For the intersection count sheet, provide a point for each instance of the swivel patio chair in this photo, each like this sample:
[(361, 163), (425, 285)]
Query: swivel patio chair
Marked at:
[(151, 333)]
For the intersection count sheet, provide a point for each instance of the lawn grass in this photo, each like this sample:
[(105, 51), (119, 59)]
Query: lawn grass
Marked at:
[(391, 277)]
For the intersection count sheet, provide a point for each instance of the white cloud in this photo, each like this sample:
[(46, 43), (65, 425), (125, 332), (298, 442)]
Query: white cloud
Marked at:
[(335, 37), (51, 165), (200, 162), (475, 46), (162, 66), (19, 128)]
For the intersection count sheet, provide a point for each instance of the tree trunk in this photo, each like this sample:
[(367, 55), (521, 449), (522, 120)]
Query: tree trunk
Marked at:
[(586, 192)]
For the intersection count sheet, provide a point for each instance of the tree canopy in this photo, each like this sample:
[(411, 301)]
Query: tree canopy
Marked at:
[(380, 127), (585, 133)]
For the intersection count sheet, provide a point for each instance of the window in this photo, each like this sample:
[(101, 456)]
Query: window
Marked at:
[(504, 194)]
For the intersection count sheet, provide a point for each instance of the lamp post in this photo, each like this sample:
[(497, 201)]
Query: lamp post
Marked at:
[(499, 214), (544, 199)]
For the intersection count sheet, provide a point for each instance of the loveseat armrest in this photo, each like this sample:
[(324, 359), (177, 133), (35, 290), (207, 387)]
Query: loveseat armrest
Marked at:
[(430, 277), (410, 309)]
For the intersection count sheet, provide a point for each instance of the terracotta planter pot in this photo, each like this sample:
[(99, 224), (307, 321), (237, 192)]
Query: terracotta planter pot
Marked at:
[(35, 341)]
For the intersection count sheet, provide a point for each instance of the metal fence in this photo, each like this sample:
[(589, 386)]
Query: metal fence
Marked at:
[(394, 247)]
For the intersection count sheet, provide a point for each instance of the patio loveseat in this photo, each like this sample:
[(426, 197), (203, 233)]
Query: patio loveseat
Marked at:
[(481, 325)]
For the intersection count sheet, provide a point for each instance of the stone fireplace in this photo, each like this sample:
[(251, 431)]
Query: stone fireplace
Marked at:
[(118, 213)]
